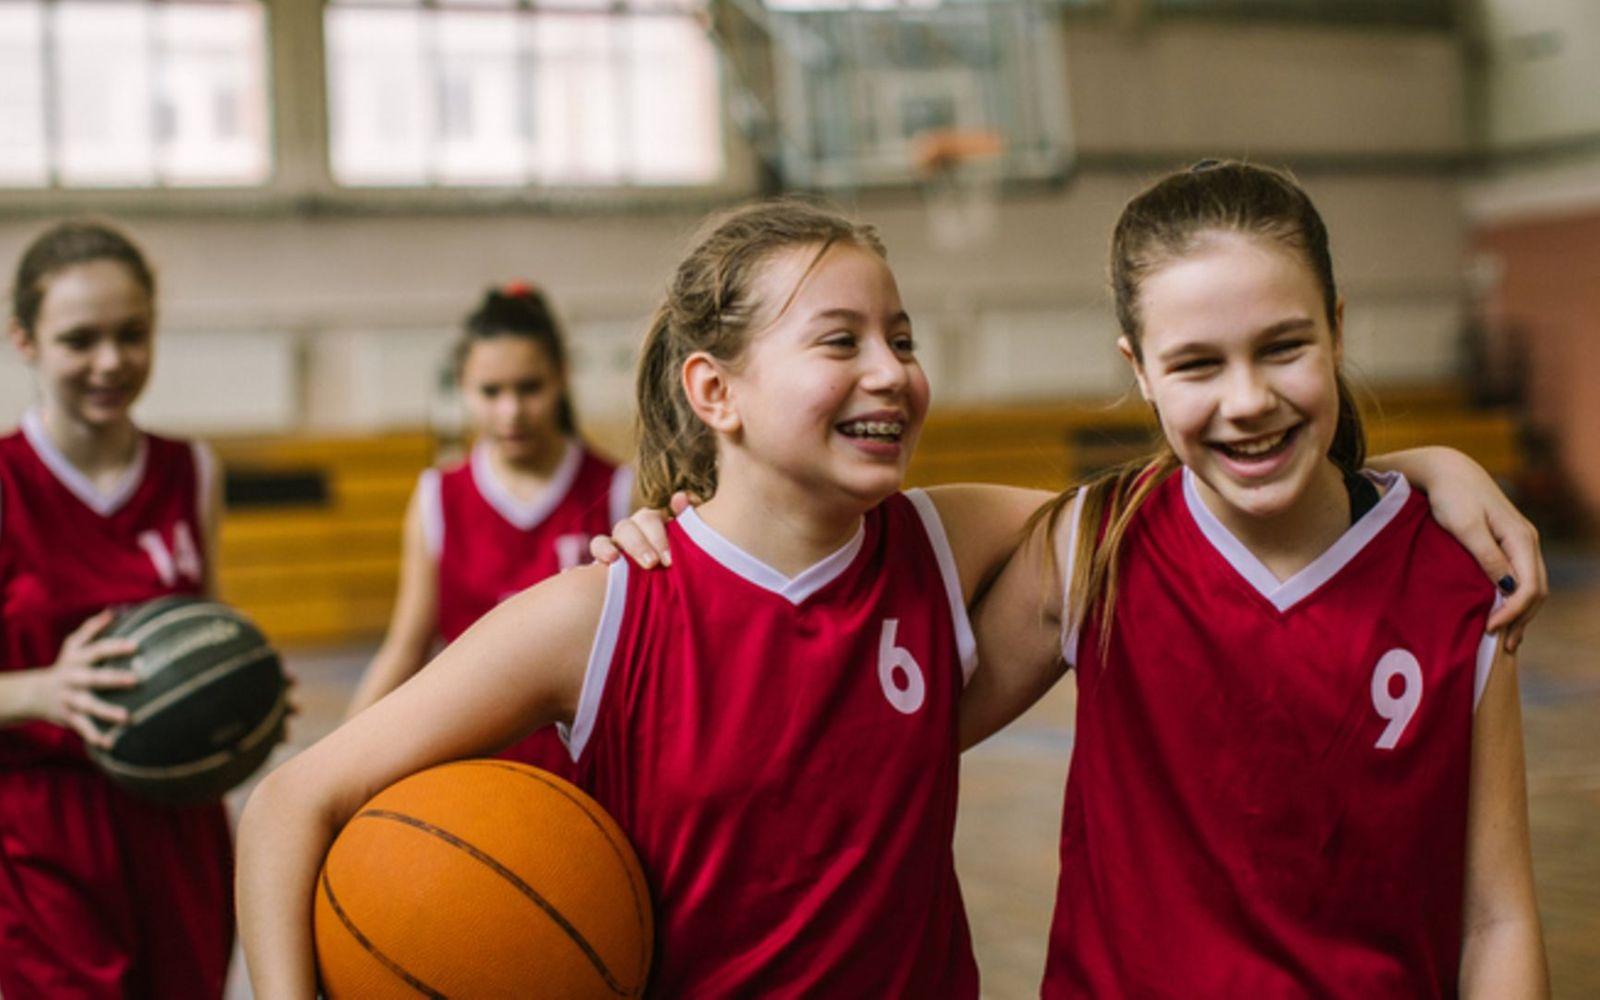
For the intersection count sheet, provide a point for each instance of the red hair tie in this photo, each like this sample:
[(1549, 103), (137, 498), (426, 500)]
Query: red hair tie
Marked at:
[(517, 289)]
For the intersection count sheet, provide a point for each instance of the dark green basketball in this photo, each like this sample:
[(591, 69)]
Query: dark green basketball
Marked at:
[(210, 707)]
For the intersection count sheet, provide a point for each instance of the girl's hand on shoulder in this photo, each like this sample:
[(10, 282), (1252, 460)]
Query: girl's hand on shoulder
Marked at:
[(66, 690), (1468, 503), (642, 536)]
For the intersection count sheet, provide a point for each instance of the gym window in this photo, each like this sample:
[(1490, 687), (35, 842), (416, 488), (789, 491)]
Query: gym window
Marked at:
[(514, 92), (133, 93)]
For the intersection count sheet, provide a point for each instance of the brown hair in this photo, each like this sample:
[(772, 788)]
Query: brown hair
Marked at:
[(710, 307), (1165, 222), (77, 241), (520, 310)]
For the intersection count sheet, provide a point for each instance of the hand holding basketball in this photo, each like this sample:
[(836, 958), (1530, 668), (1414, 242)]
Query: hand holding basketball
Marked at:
[(65, 693), (209, 706)]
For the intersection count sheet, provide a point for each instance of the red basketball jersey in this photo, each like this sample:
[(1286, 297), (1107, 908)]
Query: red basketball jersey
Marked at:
[(101, 894), (489, 545), (67, 551), (782, 754), (1268, 791)]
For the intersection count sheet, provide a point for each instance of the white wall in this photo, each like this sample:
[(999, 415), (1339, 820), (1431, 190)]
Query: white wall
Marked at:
[(1542, 70), (1540, 96)]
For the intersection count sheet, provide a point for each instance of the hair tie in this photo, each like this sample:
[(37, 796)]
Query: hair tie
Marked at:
[(516, 289)]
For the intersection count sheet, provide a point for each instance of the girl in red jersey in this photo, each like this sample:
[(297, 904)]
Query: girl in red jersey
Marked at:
[(520, 508), (773, 720), (1297, 767), (101, 894)]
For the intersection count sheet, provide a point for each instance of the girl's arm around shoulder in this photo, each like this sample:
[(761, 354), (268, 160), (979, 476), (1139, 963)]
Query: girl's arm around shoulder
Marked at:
[(1468, 503), (520, 667), (984, 524), (1018, 624), (1502, 948), (415, 618)]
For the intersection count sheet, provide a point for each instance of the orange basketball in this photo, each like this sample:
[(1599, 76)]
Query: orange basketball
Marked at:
[(482, 878)]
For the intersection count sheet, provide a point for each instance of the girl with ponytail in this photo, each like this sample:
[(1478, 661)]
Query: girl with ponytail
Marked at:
[(520, 508), (772, 721), (1297, 766)]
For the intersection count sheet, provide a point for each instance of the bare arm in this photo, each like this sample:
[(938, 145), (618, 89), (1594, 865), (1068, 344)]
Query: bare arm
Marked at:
[(1467, 503), (487, 689), (1018, 625), (413, 622), (984, 525), (1502, 953)]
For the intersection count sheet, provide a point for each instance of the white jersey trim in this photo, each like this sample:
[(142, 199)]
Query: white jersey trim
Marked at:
[(966, 643), (104, 504), (576, 736), (621, 496), (525, 514), (741, 563), (1070, 623), (1488, 649), (1286, 594), (430, 503)]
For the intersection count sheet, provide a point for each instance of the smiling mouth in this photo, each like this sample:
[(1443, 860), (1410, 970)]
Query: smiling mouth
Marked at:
[(1256, 449), (874, 430)]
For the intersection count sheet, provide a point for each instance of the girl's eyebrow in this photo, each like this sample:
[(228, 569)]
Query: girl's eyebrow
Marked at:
[(855, 316), (1265, 333)]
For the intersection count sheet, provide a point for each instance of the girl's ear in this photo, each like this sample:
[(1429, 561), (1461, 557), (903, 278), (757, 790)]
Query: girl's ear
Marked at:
[(22, 341), (709, 392), (1126, 348)]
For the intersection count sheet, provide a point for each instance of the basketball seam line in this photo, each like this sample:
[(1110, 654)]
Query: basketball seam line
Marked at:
[(264, 729), (510, 876), (372, 949), (179, 691), (621, 855), (183, 612)]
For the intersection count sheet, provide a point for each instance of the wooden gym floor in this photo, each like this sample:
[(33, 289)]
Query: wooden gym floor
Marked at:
[(1012, 786)]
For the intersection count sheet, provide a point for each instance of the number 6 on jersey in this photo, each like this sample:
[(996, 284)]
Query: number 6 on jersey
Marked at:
[(1397, 708), (907, 698)]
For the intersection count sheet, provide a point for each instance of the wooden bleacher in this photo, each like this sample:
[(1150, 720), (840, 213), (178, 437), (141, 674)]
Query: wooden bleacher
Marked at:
[(325, 572)]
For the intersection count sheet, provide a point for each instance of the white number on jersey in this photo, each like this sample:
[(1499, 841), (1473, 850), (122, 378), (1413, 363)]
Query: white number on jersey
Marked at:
[(908, 697), (1397, 708), (181, 560)]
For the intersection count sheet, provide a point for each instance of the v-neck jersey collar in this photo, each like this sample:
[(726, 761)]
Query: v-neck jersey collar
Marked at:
[(525, 514), (1285, 594), (742, 564), (70, 476)]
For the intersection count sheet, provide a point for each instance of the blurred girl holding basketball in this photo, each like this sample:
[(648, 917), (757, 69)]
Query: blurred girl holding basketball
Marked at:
[(1298, 765), (522, 506), (101, 894), (773, 721)]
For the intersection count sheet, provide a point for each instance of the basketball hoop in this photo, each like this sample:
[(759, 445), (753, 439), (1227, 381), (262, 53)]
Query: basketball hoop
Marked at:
[(960, 173)]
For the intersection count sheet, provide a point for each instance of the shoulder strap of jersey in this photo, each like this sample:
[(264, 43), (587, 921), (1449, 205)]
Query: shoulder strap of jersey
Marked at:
[(1071, 617), (430, 502), (601, 654), (621, 496), (966, 643)]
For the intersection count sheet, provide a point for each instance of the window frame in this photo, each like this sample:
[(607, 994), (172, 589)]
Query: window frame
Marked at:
[(300, 176)]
